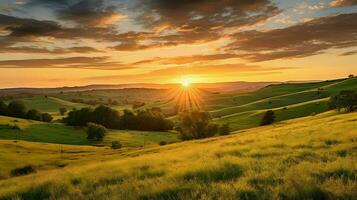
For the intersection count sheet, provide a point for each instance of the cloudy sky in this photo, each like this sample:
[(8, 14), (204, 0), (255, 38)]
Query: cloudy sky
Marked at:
[(48, 43)]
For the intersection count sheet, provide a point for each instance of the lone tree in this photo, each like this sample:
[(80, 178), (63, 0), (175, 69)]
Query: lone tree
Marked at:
[(224, 130), (268, 118), (63, 111), (96, 132), (351, 76), (346, 100)]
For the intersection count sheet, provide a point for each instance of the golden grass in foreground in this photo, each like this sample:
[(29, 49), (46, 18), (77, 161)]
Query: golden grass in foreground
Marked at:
[(308, 158)]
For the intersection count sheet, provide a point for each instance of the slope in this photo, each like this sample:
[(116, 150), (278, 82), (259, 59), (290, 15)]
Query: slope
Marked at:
[(308, 158)]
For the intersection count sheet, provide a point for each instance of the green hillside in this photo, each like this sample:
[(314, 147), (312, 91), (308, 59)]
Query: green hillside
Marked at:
[(304, 99), (59, 133), (309, 158)]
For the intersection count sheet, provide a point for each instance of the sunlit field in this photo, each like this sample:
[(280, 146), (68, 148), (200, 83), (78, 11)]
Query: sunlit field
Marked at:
[(178, 100), (308, 158)]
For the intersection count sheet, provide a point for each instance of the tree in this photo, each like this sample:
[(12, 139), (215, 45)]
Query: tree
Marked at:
[(17, 109), (196, 125), (46, 117), (268, 118), (224, 129), (351, 76), (346, 100), (106, 116), (3, 109), (96, 132), (34, 115), (63, 111)]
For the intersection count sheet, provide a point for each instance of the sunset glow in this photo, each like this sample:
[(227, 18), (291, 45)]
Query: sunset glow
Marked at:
[(81, 42), (186, 83)]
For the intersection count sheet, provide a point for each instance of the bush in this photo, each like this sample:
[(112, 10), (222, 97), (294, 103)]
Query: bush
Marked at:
[(23, 171), (46, 117), (346, 100), (224, 130), (34, 115), (268, 118), (96, 132), (63, 111), (116, 145), (163, 143)]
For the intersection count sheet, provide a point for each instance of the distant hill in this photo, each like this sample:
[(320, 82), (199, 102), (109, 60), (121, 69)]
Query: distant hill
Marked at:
[(217, 87)]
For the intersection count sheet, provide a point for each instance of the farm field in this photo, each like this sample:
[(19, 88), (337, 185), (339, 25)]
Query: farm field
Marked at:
[(306, 158)]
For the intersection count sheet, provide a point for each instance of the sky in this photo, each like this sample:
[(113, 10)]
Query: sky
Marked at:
[(54, 43)]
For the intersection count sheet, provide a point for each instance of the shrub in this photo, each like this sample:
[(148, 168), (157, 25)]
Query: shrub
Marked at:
[(346, 100), (63, 111), (23, 171), (163, 143), (268, 118), (116, 145), (224, 130), (34, 115), (46, 117), (96, 132)]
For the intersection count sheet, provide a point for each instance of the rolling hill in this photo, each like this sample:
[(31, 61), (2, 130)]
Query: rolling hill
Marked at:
[(308, 158)]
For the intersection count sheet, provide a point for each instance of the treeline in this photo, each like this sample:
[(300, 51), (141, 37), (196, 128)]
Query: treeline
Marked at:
[(18, 109), (145, 120), (94, 102)]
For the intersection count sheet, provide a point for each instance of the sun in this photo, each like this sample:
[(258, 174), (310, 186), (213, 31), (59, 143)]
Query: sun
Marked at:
[(186, 83)]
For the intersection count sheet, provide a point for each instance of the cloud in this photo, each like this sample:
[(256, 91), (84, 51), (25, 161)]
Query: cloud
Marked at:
[(83, 12), (343, 3), (187, 59), (349, 53), (32, 49), (175, 22), (169, 74), (71, 62), (302, 40)]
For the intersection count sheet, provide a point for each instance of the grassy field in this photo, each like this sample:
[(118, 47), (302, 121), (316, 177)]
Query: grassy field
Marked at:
[(309, 158), (58, 133), (304, 99)]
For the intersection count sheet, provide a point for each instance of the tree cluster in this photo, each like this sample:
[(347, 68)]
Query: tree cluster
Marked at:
[(345, 101), (18, 109), (198, 125), (147, 120)]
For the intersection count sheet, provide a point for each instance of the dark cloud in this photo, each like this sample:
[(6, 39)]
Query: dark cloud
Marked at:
[(71, 62), (195, 21), (305, 39), (343, 3), (83, 12)]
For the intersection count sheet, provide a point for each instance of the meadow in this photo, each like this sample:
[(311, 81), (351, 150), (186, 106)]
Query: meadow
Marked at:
[(308, 153), (308, 158)]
